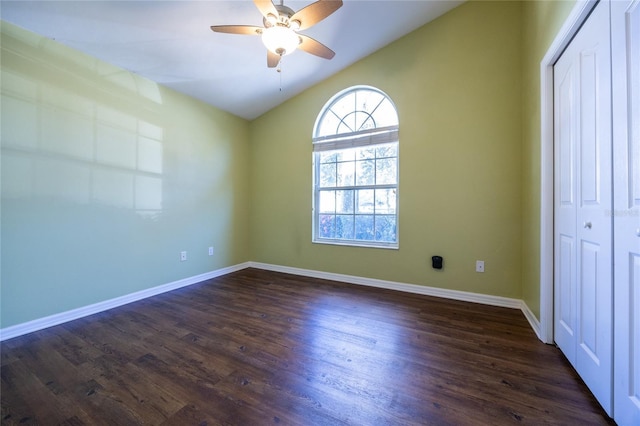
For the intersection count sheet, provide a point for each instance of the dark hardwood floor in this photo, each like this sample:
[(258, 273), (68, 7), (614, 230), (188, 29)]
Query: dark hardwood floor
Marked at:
[(257, 348)]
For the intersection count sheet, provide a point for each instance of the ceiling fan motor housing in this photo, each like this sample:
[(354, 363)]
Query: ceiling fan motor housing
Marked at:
[(283, 19)]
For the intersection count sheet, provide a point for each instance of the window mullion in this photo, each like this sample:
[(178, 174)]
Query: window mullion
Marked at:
[(356, 187)]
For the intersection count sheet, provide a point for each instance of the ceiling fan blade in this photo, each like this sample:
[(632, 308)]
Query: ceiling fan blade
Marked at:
[(315, 12), (272, 59), (237, 29), (266, 7), (314, 47)]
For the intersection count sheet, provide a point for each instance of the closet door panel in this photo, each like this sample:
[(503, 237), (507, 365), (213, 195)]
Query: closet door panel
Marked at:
[(565, 140), (583, 272), (625, 20)]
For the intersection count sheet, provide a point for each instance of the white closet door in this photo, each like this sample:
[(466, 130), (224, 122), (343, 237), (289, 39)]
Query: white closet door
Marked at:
[(565, 139), (625, 21), (583, 197)]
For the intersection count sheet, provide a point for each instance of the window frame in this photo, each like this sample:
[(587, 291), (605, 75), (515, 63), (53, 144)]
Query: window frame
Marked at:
[(371, 137)]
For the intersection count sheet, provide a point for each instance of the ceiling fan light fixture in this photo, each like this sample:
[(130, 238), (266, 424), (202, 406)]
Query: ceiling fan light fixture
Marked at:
[(280, 40)]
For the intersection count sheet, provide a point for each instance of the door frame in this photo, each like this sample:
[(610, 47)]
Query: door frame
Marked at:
[(572, 24)]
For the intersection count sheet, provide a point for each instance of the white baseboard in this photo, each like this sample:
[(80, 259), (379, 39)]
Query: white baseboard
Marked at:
[(464, 296), (533, 321), (56, 319)]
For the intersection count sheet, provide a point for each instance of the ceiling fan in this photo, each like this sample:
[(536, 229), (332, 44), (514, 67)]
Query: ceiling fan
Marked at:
[(281, 25)]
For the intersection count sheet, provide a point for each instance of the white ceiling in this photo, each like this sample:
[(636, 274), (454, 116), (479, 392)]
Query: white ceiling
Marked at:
[(170, 42)]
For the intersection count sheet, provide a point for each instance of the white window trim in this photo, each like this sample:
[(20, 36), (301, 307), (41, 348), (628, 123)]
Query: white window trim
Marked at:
[(376, 136), (370, 137)]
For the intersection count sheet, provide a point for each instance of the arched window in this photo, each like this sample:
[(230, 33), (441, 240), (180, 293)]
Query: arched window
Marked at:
[(355, 170)]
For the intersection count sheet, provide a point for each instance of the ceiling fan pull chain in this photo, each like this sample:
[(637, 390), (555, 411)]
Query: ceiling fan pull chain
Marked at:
[(280, 72)]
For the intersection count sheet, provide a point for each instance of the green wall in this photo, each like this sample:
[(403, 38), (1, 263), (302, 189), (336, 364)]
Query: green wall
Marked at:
[(541, 22), (457, 85), (106, 177)]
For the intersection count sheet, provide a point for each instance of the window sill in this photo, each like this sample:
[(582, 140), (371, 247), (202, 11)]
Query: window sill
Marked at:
[(361, 244)]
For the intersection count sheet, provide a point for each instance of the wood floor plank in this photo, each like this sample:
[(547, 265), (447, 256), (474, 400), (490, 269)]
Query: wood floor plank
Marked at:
[(260, 348)]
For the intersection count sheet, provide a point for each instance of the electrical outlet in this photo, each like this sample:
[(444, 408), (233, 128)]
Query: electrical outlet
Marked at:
[(210, 251), (183, 256), (479, 265)]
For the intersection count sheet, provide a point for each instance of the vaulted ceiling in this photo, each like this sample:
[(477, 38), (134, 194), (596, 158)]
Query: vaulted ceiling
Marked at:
[(170, 42)]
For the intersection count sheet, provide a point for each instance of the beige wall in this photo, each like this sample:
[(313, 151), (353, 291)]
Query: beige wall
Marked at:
[(457, 85)]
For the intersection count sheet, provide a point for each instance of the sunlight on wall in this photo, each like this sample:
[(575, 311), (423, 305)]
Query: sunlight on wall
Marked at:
[(106, 178), (69, 147)]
